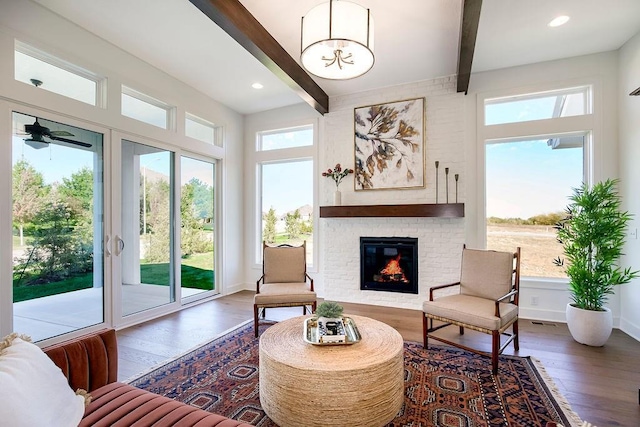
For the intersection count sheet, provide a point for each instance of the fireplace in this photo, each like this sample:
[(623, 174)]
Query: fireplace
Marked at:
[(389, 264)]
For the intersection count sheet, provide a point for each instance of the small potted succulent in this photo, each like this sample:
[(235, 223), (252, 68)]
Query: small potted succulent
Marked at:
[(329, 317)]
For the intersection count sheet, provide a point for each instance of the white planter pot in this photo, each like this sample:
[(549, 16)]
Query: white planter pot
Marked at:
[(589, 327)]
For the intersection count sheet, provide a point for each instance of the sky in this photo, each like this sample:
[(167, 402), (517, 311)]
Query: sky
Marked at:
[(528, 178)]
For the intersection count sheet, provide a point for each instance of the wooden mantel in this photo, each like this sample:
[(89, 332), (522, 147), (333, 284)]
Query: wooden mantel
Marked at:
[(439, 210)]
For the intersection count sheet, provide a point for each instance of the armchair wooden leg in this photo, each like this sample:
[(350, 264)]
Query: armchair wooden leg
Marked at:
[(424, 330), (495, 351), (313, 307), (461, 330), (516, 344), (255, 320)]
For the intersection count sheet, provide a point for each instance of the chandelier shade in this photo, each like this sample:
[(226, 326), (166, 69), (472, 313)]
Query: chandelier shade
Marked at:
[(337, 40)]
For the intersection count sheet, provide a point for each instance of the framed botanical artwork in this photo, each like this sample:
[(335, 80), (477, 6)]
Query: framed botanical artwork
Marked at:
[(389, 145)]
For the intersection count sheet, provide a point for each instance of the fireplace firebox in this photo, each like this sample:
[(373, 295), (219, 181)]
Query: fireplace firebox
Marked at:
[(389, 264)]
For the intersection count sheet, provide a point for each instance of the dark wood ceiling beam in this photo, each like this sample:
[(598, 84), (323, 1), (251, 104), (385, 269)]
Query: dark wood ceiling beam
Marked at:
[(468, 33), (239, 23)]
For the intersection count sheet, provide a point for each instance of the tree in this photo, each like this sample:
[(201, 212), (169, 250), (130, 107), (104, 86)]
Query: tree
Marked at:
[(192, 234), (58, 250), (269, 232), (202, 199), (28, 191), (158, 221), (77, 192), (307, 226), (293, 224), (78, 189)]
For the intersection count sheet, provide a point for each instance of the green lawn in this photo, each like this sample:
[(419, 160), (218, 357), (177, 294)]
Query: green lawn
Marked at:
[(196, 270), (25, 293)]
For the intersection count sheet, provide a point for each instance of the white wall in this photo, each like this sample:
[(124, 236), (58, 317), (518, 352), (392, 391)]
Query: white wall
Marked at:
[(629, 131), (451, 138), (35, 25), (440, 240)]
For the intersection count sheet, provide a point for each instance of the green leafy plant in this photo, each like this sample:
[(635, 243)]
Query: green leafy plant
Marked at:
[(592, 235), (329, 309)]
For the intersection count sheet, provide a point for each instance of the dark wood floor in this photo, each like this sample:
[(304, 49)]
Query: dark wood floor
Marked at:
[(601, 384)]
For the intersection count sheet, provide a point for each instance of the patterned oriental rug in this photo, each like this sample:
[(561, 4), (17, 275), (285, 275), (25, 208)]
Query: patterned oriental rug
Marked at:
[(444, 386)]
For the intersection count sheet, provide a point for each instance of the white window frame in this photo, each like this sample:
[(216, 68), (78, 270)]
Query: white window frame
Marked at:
[(283, 155), (100, 81), (216, 129), (169, 109), (261, 134), (587, 124), (587, 90)]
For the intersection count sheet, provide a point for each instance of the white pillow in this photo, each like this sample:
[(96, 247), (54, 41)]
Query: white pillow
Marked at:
[(33, 390)]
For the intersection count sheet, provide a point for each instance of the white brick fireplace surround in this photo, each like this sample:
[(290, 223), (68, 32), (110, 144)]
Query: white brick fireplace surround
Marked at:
[(440, 243), (440, 240)]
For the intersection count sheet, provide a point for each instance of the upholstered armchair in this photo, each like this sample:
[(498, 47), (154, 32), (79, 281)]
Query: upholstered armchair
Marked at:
[(486, 300), (284, 281)]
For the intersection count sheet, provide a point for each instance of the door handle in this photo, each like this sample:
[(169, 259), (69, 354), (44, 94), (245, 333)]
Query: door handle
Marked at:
[(119, 245), (107, 245)]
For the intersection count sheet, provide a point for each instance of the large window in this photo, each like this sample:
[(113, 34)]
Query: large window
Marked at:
[(528, 179), (527, 186), (286, 189)]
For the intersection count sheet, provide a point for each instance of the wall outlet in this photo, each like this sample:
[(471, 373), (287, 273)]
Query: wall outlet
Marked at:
[(534, 300), (633, 233)]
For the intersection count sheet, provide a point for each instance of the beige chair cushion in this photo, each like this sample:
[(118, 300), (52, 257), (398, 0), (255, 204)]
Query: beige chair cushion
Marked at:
[(471, 310), (284, 265), (284, 293), (486, 274)]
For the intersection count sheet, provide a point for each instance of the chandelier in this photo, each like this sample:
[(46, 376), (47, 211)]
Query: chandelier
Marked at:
[(337, 40)]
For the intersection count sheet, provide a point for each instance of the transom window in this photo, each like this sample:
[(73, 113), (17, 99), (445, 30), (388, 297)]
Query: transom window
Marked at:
[(285, 138), (146, 109), (40, 69), (203, 130), (538, 106)]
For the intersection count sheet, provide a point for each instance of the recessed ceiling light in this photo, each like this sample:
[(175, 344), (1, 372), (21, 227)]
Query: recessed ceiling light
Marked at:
[(560, 20), (257, 86)]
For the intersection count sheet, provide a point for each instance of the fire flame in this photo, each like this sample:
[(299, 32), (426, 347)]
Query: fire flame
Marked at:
[(393, 269)]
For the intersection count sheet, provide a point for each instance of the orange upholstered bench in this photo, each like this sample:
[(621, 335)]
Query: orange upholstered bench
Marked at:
[(91, 363)]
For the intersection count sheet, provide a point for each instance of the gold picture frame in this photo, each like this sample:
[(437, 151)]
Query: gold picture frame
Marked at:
[(389, 146)]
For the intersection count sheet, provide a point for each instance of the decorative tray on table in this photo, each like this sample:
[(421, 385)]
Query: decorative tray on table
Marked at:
[(341, 332)]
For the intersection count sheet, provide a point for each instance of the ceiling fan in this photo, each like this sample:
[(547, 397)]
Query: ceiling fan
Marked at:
[(38, 133)]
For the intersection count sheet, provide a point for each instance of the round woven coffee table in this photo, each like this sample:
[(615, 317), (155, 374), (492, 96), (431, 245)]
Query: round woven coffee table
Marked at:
[(361, 384)]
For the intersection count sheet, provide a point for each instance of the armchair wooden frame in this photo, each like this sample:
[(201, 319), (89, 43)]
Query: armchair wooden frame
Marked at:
[(301, 295), (511, 297)]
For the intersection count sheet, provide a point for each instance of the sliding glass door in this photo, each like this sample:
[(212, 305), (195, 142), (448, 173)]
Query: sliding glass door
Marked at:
[(57, 204), (198, 230), (145, 246)]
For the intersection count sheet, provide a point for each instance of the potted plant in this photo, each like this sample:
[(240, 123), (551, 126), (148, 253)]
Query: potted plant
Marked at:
[(593, 235), (329, 317)]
